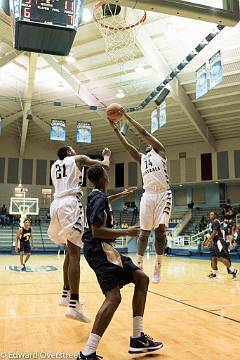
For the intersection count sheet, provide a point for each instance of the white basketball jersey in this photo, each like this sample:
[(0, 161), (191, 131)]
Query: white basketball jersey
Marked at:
[(154, 172), (66, 177)]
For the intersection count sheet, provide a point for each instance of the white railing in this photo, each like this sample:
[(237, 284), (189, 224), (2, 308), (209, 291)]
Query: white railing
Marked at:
[(189, 241), (121, 242)]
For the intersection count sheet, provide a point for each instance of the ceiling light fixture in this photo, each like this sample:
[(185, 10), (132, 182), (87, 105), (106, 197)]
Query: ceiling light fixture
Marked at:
[(120, 94), (70, 59), (87, 15), (139, 69)]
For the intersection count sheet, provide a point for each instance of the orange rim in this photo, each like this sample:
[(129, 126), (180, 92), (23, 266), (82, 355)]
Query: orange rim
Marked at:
[(123, 28)]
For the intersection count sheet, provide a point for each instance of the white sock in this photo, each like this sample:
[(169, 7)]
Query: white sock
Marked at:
[(214, 272), (65, 293), (231, 269), (140, 261), (137, 326), (158, 261), (92, 344)]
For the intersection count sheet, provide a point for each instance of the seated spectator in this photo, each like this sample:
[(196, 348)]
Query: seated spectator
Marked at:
[(202, 223), (234, 229), (191, 205), (4, 210)]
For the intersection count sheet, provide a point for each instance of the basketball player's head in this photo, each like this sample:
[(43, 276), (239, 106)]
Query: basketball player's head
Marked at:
[(213, 215), (98, 176), (148, 148), (65, 151), (27, 223)]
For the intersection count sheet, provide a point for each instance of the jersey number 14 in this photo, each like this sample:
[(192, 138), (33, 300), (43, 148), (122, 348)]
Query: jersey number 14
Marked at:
[(60, 171)]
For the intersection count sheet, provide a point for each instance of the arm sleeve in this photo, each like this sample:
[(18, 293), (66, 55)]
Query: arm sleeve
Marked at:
[(97, 211)]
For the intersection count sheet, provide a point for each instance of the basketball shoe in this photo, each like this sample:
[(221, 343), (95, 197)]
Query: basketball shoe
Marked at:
[(235, 273), (92, 356), (211, 275), (75, 312), (142, 344), (156, 274)]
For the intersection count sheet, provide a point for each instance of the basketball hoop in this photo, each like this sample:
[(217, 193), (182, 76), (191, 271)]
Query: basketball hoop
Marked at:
[(117, 26)]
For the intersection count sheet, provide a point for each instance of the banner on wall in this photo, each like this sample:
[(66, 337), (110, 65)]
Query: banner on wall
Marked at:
[(84, 132), (154, 121), (216, 70), (201, 81), (163, 114), (58, 130)]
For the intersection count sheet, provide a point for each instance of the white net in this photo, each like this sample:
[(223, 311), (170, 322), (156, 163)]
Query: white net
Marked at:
[(117, 26)]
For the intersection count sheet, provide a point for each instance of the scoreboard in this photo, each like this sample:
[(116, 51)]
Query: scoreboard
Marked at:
[(55, 12), (45, 26)]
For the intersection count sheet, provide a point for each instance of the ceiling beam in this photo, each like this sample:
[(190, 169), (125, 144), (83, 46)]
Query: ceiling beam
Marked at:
[(11, 118), (159, 64), (28, 95), (8, 58), (80, 90)]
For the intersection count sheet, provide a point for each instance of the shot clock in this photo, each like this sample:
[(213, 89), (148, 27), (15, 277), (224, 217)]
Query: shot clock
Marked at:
[(45, 26)]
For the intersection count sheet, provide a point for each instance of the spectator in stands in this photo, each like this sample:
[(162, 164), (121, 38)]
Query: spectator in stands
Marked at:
[(4, 210), (191, 205), (234, 229), (202, 224), (3, 216), (236, 244), (135, 214)]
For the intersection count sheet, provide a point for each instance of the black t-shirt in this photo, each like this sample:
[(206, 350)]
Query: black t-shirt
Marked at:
[(217, 226), (98, 213)]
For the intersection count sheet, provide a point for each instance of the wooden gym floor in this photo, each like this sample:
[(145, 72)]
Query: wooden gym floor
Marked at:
[(195, 317)]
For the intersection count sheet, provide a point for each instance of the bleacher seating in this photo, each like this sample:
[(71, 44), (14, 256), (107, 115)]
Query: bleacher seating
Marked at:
[(197, 214)]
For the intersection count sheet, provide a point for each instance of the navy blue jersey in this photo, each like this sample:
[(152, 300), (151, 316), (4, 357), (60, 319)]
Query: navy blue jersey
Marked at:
[(98, 213), (217, 226), (26, 234)]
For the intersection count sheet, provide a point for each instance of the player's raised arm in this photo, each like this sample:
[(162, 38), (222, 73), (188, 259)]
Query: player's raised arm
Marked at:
[(122, 194), (136, 155), (156, 144), (83, 160)]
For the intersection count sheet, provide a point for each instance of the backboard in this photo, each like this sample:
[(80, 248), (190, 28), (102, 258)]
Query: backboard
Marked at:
[(28, 206), (223, 12)]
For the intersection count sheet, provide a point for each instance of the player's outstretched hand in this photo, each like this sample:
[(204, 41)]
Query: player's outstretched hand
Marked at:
[(133, 231), (106, 152), (129, 190)]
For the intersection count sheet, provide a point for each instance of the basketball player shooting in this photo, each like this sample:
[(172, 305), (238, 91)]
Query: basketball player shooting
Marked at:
[(67, 221), (156, 201)]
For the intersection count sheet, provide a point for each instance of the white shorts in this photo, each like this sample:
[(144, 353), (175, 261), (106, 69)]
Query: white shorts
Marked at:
[(155, 209), (67, 220)]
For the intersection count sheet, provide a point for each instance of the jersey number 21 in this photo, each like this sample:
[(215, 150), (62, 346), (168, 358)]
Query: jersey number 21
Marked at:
[(60, 171)]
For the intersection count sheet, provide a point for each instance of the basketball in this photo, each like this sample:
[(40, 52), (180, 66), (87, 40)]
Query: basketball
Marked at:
[(113, 112)]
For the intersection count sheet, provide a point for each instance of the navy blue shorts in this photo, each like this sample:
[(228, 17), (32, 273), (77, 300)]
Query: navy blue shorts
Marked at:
[(219, 249), (25, 247), (109, 275)]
